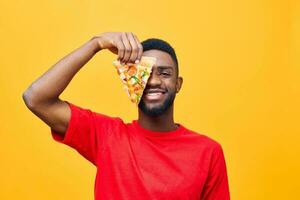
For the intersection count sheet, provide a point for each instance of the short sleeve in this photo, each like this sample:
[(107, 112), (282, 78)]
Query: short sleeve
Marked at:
[(87, 132), (216, 186)]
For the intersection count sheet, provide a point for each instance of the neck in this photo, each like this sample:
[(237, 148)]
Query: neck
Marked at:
[(161, 123)]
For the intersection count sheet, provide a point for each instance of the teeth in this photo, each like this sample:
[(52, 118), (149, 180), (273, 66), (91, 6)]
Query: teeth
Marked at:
[(154, 94)]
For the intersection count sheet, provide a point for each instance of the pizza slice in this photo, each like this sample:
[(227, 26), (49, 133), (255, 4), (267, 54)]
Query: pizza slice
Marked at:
[(135, 76)]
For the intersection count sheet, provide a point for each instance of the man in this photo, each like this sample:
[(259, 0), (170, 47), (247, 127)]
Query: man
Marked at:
[(150, 158)]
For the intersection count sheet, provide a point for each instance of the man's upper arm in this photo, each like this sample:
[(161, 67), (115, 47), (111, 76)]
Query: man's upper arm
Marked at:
[(56, 114), (216, 186)]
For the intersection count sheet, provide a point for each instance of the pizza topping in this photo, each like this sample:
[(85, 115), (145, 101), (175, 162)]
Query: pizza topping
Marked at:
[(135, 76)]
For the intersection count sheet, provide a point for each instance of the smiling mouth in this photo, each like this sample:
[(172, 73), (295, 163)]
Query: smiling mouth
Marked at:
[(154, 95)]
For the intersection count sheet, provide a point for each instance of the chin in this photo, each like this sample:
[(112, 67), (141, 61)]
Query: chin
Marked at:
[(156, 109)]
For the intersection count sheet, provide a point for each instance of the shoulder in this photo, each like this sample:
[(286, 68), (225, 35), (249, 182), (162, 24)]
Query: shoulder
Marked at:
[(208, 149), (87, 114), (204, 140)]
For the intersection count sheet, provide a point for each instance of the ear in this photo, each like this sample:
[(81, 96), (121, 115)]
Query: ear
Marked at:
[(179, 82)]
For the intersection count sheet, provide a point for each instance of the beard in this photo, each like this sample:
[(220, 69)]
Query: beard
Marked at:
[(158, 110)]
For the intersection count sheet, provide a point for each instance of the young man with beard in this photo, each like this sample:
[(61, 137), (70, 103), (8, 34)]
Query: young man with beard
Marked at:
[(149, 158)]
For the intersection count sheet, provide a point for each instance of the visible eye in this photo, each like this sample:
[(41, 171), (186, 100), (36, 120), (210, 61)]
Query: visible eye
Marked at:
[(165, 74)]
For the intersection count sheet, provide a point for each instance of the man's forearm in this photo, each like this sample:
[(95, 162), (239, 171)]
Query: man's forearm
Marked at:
[(52, 83)]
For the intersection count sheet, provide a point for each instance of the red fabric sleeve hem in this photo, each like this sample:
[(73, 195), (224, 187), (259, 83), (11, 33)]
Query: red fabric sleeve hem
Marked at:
[(66, 139)]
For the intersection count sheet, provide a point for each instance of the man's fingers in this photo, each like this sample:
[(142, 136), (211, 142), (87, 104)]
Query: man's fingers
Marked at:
[(127, 46), (121, 49), (140, 48), (134, 48)]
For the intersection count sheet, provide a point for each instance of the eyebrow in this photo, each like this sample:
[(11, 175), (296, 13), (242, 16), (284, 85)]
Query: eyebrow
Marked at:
[(164, 67)]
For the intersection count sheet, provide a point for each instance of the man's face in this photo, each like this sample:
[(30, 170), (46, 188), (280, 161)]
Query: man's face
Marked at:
[(162, 85)]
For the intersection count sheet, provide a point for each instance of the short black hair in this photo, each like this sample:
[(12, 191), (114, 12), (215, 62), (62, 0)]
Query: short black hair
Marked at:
[(159, 44)]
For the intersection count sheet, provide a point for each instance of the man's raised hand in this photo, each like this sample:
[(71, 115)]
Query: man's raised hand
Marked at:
[(125, 44)]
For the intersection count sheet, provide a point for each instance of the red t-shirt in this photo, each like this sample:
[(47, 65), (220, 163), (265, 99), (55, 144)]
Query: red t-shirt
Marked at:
[(136, 163)]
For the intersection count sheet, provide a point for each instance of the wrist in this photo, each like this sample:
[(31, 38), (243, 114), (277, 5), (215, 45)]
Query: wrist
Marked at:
[(96, 43)]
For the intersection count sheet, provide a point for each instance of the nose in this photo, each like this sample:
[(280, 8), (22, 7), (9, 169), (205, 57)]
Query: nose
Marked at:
[(153, 80)]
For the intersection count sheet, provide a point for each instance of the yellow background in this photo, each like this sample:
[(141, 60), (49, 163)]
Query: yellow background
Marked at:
[(239, 59)]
